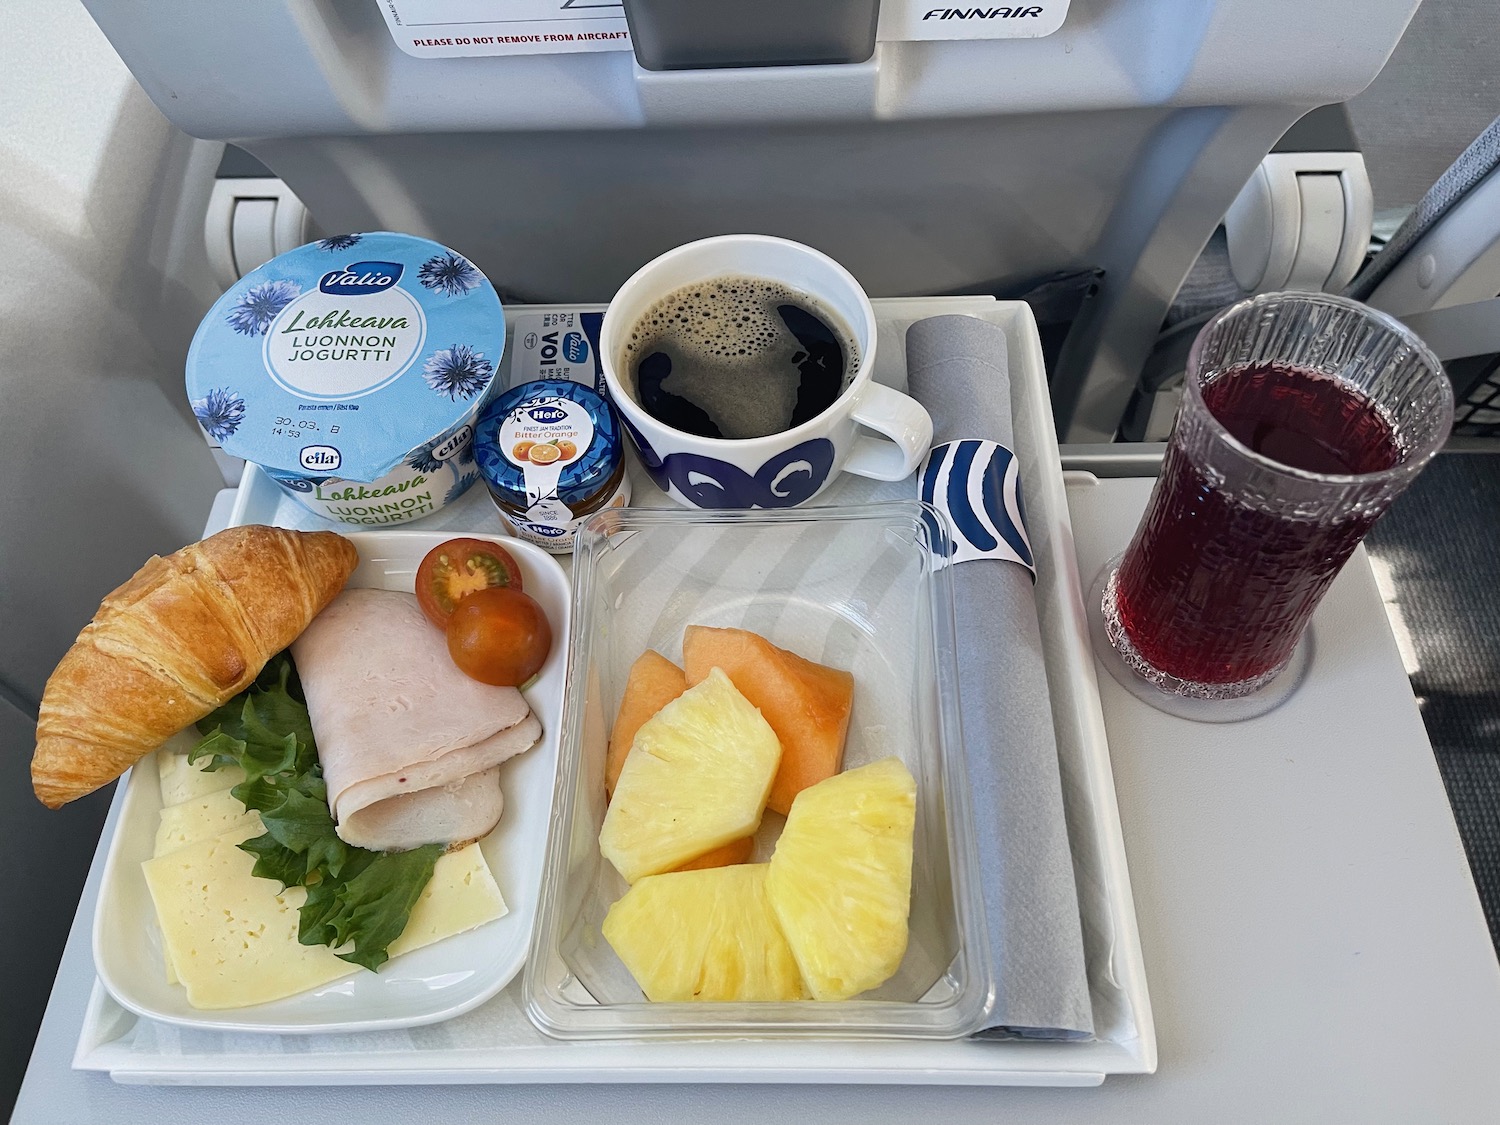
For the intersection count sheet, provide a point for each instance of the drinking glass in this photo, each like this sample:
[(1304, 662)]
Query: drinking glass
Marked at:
[(1303, 417)]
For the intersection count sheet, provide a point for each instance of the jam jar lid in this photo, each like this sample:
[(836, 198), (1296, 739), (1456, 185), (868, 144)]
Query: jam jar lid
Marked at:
[(548, 439)]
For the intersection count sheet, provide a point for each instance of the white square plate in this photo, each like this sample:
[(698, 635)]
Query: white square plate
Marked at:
[(431, 984)]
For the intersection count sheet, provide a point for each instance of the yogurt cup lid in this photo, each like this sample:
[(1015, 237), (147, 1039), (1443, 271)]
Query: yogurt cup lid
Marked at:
[(550, 439), (346, 356)]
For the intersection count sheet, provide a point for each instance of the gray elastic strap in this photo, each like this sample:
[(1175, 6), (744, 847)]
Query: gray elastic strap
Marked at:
[(1473, 165)]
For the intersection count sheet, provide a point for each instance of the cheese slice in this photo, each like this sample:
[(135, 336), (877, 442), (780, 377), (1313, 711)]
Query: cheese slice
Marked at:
[(184, 781), (461, 895), (203, 819), (233, 939)]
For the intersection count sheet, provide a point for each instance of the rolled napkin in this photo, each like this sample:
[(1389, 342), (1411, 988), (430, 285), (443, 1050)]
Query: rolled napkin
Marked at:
[(957, 369)]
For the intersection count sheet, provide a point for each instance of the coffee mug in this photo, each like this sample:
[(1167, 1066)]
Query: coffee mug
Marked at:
[(782, 469)]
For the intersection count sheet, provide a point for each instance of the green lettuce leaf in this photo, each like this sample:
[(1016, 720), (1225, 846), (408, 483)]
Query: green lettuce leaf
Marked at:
[(358, 901), (374, 906), (313, 923), (220, 748), (274, 860)]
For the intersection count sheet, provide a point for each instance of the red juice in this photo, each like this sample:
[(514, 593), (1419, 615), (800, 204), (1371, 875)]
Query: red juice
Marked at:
[(1217, 586)]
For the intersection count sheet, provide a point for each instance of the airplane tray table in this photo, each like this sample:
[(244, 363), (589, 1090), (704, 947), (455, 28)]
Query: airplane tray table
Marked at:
[(496, 1043), (1316, 948)]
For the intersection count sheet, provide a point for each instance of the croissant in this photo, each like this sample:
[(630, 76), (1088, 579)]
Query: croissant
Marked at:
[(182, 637)]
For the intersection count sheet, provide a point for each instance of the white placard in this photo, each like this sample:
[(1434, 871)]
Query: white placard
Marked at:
[(452, 28)]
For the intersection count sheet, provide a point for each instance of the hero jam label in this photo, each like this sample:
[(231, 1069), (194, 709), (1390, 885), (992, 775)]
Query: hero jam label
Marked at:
[(543, 436), (546, 433), (560, 525)]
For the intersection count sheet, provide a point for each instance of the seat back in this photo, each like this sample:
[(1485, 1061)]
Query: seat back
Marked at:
[(1116, 142)]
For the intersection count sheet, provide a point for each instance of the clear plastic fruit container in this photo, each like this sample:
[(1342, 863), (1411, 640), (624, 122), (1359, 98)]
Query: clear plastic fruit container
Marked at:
[(850, 587)]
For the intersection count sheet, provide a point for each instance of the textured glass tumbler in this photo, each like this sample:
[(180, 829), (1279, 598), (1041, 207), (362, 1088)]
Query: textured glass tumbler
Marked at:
[(1239, 543)]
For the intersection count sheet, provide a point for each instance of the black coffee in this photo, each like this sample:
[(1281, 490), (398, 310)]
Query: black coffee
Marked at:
[(738, 357)]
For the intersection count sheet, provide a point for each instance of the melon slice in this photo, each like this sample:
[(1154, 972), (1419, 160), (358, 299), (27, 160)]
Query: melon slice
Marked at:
[(736, 851), (654, 681), (703, 935), (696, 779), (807, 704)]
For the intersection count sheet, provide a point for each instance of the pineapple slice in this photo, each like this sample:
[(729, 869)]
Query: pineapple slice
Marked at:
[(704, 935), (840, 879), (808, 705), (696, 778)]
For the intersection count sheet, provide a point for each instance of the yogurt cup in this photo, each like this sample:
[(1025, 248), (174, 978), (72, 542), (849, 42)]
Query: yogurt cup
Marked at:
[(352, 371)]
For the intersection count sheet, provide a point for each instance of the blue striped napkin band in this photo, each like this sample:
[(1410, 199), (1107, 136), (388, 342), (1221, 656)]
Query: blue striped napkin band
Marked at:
[(977, 485)]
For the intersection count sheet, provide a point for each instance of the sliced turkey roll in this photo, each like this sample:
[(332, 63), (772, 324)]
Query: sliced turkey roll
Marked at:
[(409, 744)]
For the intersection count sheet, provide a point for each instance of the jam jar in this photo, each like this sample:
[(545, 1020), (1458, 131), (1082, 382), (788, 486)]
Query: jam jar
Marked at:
[(551, 454)]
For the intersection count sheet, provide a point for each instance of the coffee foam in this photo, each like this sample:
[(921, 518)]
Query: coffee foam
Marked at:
[(719, 331)]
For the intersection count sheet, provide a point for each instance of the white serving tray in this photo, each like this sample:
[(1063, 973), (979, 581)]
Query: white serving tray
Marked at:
[(496, 1043)]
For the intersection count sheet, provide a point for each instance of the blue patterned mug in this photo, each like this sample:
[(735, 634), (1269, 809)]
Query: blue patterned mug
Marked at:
[(870, 429)]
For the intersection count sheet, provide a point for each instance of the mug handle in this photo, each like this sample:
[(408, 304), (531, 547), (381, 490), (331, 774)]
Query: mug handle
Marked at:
[(901, 419)]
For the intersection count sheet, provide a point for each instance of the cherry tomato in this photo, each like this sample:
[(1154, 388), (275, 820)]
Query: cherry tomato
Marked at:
[(499, 636), (458, 568)]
